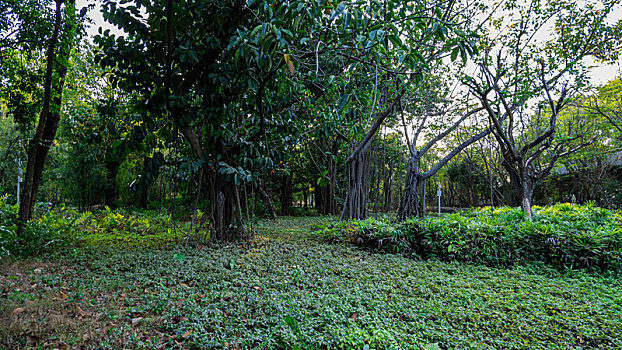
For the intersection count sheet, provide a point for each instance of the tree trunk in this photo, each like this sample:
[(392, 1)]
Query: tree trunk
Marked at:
[(265, 196), (387, 191), (409, 206), (424, 192), (286, 196), (50, 112), (110, 195), (527, 194), (377, 191), (224, 200), (332, 183), (355, 205)]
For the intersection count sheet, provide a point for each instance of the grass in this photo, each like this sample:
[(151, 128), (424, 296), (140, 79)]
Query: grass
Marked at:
[(286, 290)]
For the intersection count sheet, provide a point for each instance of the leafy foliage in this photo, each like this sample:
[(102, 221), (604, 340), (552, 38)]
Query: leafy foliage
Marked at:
[(42, 234), (563, 236)]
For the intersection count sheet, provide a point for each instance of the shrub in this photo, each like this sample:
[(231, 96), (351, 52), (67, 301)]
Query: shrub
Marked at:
[(563, 236), (41, 234)]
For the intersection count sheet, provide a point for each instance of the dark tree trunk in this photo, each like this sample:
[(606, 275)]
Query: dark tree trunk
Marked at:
[(377, 191), (224, 199), (355, 205), (265, 196), (423, 192), (110, 195), (49, 117), (145, 182), (325, 199), (388, 191), (286, 196), (515, 189)]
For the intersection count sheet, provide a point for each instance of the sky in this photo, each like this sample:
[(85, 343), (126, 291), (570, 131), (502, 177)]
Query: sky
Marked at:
[(599, 74)]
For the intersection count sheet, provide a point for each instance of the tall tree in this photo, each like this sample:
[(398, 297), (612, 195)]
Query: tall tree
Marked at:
[(57, 52), (524, 82), (430, 33)]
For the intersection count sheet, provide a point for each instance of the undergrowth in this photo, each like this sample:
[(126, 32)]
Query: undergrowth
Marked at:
[(564, 236), (301, 294), (66, 228), (126, 283)]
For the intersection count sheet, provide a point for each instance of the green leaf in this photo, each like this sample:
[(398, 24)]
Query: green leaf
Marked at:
[(376, 27), (337, 12), (454, 53), (344, 100), (395, 40)]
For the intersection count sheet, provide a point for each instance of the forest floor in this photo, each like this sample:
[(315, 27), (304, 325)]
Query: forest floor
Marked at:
[(285, 289)]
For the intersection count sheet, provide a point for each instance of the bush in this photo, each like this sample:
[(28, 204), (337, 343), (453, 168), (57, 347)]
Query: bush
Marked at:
[(41, 234), (563, 236)]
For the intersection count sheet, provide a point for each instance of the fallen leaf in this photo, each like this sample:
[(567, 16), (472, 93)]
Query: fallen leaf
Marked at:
[(82, 312), (187, 334), (178, 319), (17, 311)]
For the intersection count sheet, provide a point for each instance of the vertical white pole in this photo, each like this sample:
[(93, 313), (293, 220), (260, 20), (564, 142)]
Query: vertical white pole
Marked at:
[(439, 198)]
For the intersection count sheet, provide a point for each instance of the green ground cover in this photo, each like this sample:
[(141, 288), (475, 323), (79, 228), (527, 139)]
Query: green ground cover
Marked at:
[(286, 289), (563, 236)]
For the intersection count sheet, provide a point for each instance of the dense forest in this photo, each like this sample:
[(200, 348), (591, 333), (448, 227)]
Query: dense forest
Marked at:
[(214, 120)]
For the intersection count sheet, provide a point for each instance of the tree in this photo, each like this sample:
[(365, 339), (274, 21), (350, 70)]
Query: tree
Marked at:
[(530, 81), (59, 45), (431, 33), (433, 106)]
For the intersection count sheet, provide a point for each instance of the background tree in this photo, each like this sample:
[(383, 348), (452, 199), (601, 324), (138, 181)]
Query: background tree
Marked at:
[(530, 81)]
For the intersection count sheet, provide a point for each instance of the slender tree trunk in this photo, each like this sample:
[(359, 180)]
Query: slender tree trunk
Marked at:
[(388, 191), (286, 196), (424, 191), (56, 69), (110, 195), (377, 192), (265, 196), (332, 183)]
